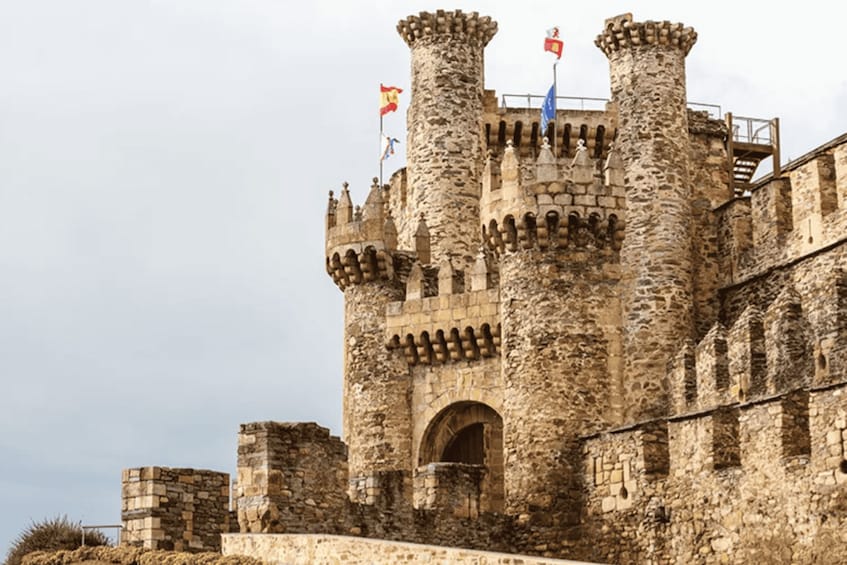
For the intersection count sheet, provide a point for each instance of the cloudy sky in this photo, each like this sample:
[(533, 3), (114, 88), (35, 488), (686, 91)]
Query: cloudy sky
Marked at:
[(164, 166)]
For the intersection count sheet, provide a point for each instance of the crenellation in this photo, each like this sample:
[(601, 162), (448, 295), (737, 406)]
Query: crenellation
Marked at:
[(735, 239), (623, 33), (794, 216), (840, 162), (814, 198), (452, 25), (789, 358), (747, 357), (712, 369), (772, 218), (519, 128)]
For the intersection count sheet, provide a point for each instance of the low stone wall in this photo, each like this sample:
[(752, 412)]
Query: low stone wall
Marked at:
[(174, 509), (290, 476), (454, 487), (316, 549)]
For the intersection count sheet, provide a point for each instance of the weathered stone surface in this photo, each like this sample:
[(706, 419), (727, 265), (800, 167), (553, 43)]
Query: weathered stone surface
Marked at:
[(327, 550), (174, 509), (647, 68)]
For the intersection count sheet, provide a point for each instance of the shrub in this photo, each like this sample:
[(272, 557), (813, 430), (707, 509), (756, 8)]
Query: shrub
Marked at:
[(51, 535)]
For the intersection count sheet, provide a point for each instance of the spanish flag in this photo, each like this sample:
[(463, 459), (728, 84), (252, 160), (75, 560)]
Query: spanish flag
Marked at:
[(389, 96)]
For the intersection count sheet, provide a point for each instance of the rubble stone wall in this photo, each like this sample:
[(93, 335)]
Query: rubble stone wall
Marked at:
[(786, 219), (560, 322), (289, 476), (763, 482), (709, 178), (377, 384)]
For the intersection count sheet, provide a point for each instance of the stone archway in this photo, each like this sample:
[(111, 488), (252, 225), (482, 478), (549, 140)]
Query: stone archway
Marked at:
[(470, 433)]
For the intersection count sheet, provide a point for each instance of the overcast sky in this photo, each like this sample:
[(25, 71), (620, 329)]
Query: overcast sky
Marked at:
[(164, 166)]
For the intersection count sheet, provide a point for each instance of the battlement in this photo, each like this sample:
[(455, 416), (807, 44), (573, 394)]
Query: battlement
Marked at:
[(783, 219), (623, 467), (453, 25), (554, 203), (762, 353), (621, 33), (444, 328), (361, 242), (521, 126)]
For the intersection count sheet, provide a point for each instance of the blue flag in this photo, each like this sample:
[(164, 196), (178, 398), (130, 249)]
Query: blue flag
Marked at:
[(548, 110)]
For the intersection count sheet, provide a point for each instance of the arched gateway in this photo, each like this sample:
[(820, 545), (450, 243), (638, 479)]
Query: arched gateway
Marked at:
[(469, 433)]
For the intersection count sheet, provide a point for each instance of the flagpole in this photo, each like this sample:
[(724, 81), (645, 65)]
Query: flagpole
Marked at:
[(555, 106), (380, 146)]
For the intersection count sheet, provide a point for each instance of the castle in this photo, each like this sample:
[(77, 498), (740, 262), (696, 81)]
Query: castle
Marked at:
[(601, 341)]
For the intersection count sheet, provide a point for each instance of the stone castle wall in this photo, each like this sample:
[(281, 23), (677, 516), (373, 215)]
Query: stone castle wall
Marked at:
[(289, 476), (763, 482), (175, 509), (377, 385)]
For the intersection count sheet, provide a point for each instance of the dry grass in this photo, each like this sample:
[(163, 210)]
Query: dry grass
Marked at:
[(125, 555)]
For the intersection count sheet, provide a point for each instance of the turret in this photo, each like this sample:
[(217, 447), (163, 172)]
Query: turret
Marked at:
[(444, 143), (361, 256), (647, 68), (556, 227)]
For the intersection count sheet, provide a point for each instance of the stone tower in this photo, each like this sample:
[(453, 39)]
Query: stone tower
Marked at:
[(557, 249), (377, 416), (444, 151), (647, 69)]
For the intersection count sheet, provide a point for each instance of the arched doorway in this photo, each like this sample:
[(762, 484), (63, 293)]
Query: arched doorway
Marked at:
[(469, 433)]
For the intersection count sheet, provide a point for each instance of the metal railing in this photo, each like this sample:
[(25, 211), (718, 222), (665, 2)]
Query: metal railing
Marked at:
[(569, 102), (714, 110), (117, 527), (752, 130), (535, 101)]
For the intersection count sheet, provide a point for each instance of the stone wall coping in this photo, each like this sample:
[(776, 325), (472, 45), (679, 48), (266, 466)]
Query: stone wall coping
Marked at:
[(473, 556)]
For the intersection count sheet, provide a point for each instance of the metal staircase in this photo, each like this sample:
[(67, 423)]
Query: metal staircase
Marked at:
[(750, 141)]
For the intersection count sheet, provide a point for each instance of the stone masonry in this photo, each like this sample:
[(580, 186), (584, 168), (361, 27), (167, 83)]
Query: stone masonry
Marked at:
[(176, 509), (585, 345), (647, 70)]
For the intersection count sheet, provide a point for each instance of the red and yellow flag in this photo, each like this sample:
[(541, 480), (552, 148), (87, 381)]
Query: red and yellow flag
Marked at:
[(389, 96), (552, 43)]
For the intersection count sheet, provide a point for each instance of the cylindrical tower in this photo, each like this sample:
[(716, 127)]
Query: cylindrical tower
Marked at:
[(560, 315), (377, 384), (647, 68), (377, 392), (444, 121), (555, 372)]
